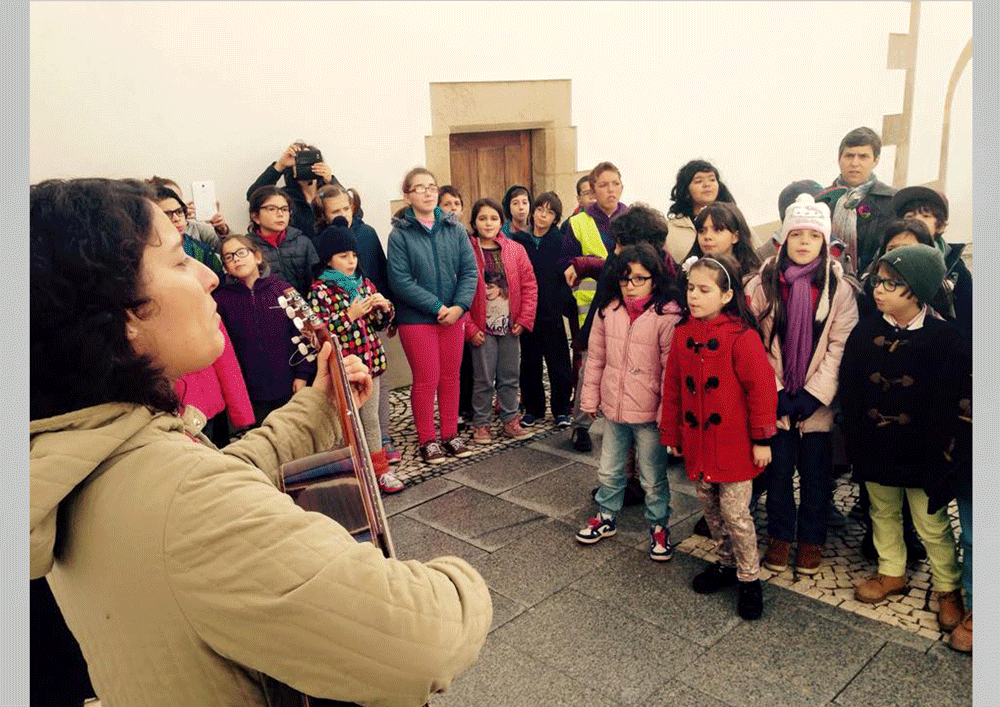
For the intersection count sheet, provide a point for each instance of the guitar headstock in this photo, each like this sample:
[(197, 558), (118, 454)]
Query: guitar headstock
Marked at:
[(314, 332)]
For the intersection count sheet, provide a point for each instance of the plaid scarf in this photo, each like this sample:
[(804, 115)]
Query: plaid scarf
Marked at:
[(845, 218)]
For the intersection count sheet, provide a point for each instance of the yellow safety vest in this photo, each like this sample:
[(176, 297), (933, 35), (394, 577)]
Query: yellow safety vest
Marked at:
[(591, 243)]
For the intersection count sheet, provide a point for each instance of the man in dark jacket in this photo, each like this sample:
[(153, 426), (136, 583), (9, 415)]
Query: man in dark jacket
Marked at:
[(300, 190), (858, 201)]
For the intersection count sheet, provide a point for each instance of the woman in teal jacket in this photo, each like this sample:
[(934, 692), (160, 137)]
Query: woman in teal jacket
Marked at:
[(433, 276)]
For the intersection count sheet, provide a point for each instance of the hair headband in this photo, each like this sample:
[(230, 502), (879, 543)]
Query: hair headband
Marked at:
[(689, 263)]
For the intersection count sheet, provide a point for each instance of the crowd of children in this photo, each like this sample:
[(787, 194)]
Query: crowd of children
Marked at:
[(688, 341)]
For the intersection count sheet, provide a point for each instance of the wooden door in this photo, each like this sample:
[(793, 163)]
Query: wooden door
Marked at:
[(486, 164)]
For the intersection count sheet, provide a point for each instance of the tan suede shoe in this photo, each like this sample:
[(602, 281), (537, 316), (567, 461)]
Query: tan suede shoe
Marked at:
[(961, 637), (950, 609), (875, 589)]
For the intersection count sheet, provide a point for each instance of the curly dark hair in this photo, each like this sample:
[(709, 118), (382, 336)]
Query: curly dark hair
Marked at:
[(729, 217), (87, 239), (664, 285), (681, 195), (639, 224)]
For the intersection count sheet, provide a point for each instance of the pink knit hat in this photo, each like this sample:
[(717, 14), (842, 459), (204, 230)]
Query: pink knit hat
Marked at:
[(806, 212)]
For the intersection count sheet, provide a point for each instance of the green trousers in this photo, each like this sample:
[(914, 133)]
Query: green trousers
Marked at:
[(934, 530)]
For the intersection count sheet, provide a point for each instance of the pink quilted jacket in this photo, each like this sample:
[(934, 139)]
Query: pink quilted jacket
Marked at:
[(218, 387), (625, 363)]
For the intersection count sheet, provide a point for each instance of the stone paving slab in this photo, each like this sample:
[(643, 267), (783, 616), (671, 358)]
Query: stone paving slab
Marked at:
[(517, 467), (792, 659), (415, 495), (508, 677), (414, 540), (557, 492), (544, 562), (594, 642), (900, 677), (504, 609), (476, 517), (660, 593), (679, 695)]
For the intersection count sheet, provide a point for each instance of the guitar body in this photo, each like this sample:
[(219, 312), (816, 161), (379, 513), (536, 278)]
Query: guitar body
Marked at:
[(339, 483)]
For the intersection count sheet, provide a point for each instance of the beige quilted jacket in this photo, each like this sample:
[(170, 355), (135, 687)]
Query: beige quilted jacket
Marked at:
[(184, 573)]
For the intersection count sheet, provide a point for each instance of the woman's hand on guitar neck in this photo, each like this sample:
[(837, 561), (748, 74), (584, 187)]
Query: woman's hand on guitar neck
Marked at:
[(357, 374)]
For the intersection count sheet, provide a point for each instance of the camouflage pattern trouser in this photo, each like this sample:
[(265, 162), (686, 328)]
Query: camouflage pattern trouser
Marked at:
[(727, 512)]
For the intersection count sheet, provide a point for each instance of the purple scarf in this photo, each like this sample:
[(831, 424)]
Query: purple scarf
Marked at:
[(797, 346)]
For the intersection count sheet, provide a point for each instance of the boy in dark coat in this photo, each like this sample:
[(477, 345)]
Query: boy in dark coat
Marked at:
[(895, 384), (931, 207)]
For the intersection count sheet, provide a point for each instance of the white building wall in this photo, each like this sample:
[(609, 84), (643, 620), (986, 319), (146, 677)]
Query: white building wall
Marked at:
[(216, 90)]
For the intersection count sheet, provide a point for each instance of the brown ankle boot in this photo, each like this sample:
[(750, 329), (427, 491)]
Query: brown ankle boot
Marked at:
[(809, 558), (961, 637), (776, 557), (950, 609), (875, 589)]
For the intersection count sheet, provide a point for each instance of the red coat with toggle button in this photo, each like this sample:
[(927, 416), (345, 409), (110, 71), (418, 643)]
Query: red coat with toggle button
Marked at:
[(719, 397)]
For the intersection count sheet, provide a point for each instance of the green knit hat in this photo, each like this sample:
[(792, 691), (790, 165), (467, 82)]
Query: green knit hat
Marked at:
[(921, 266)]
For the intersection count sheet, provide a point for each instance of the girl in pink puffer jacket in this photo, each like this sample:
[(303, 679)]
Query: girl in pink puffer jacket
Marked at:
[(627, 354)]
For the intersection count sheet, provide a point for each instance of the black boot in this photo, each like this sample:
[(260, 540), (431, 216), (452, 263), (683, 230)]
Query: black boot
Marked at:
[(750, 605), (713, 578), (581, 440)]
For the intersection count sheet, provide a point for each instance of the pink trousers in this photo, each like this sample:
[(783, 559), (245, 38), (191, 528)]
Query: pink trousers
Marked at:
[(434, 353)]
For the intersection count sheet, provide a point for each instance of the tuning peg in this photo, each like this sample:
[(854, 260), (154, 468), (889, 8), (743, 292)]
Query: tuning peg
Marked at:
[(282, 302), (298, 323), (311, 358), (290, 311), (303, 349), (296, 339)]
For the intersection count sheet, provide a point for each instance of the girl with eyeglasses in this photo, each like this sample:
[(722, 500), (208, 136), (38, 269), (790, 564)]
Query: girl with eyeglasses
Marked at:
[(261, 333), (433, 276), (627, 354), (288, 252)]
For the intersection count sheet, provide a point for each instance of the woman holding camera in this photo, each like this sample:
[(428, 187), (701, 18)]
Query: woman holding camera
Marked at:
[(304, 174), (181, 569)]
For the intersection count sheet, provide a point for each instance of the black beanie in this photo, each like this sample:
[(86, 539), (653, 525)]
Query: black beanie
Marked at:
[(335, 238), (509, 196)]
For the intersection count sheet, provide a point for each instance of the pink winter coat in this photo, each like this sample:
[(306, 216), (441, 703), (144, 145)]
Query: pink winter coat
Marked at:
[(625, 363), (824, 366), (520, 279), (218, 387)]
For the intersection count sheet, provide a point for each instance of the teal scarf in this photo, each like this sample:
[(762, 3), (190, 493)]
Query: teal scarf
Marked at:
[(348, 283)]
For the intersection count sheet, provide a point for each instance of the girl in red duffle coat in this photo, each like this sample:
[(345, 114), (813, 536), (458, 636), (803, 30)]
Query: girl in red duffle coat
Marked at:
[(719, 406)]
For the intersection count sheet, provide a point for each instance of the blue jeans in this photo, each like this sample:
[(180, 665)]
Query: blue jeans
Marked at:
[(812, 455), (965, 540), (651, 458)]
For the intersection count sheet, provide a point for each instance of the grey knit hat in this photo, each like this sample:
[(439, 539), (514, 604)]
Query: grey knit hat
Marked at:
[(920, 266)]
